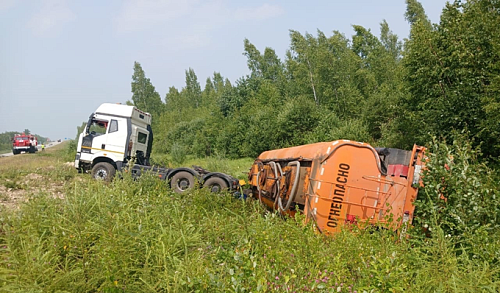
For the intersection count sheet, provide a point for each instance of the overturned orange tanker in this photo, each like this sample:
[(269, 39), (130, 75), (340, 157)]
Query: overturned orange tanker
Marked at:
[(339, 182)]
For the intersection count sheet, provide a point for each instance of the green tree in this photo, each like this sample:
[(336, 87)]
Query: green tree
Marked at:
[(323, 68), (265, 66), (451, 73), (229, 100), (173, 100), (6, 141), (379, 78), (144, 95), (192, 91), (297, 117), (254, 59), (415, 12), (302, 62), (390, 41)]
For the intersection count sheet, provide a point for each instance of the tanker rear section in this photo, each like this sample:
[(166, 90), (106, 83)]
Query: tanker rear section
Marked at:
[(340, 182)]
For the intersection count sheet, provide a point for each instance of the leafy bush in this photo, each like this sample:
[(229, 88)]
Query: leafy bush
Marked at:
[(297, 117), (179, 153), (70, 150), (160, 160), (460, 197), (183, 134), (330, 127)]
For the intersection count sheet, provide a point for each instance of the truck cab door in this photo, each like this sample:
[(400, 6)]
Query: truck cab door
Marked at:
[(140, 140), (95, 137), (116, 138)]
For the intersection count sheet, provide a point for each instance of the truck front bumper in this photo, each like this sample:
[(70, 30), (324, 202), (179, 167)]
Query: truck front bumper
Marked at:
[(22, 148)]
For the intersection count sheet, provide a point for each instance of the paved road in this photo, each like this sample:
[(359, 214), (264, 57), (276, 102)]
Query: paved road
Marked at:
[(49, 145)]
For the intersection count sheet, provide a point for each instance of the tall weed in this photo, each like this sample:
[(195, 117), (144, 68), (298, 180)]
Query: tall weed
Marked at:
[(138, 236)]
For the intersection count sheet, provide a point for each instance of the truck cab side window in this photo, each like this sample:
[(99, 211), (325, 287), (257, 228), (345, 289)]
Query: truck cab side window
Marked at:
[(113, 126), (142, 138)]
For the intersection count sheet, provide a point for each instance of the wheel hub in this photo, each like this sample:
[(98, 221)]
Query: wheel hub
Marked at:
[(183, 184), (215, 188), (102, 174)]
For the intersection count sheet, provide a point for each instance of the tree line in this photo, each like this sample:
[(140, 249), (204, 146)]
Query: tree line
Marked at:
[(379, 89)]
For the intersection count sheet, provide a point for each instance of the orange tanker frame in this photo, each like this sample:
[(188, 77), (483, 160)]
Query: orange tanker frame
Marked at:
[(339, 182)]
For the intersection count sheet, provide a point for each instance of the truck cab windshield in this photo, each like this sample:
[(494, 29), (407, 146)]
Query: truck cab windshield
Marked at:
[(97, 127)]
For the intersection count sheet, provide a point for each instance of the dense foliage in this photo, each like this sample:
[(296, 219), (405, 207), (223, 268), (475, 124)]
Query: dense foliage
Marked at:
[(453, 74), (445, 77), (461, 200)]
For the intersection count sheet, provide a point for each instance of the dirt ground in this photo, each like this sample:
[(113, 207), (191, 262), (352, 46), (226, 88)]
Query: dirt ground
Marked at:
[(13, 193), (29, 175)]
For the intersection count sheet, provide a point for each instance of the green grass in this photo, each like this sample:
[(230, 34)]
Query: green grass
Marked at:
[(238, 168), (138, 236), (49, 164)]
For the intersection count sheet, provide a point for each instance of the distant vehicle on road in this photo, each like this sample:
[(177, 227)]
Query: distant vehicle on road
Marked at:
[(59, 140), (24, 143)]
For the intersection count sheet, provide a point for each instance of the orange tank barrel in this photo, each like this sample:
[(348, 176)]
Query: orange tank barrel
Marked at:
[(340, 182)]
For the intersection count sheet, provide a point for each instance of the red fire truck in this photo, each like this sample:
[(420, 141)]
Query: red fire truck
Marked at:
[(24, 143)]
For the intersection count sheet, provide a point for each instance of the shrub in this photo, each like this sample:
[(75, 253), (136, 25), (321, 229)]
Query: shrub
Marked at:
[(178, 153), (461, 197)]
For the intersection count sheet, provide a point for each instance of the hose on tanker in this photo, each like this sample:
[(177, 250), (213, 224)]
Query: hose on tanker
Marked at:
[(294, 188), (278, 189), (258, 181), (275, 167), (276, 182), (281, 171)]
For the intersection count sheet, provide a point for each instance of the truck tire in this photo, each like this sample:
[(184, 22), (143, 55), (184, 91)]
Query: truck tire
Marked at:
[(216, 184), (103, 171), (32, 150), (182, 181)]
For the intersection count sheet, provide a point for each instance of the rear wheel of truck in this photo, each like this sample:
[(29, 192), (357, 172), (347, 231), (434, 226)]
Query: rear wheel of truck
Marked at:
[(182, 181), (103, 171), (216, 184)]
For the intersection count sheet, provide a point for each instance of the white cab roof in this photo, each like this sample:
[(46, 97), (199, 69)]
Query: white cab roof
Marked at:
[(124, 111)]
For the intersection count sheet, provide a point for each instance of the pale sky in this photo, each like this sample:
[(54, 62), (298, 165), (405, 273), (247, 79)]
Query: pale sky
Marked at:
[(60, 59)]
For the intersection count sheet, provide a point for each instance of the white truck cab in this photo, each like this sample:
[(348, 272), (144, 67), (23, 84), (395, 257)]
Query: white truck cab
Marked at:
[(113, 135), (117, 134)]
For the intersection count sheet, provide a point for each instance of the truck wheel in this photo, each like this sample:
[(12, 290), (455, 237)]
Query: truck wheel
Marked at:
[(182, 181), (215, 184), (103, 171), (32, 150)]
